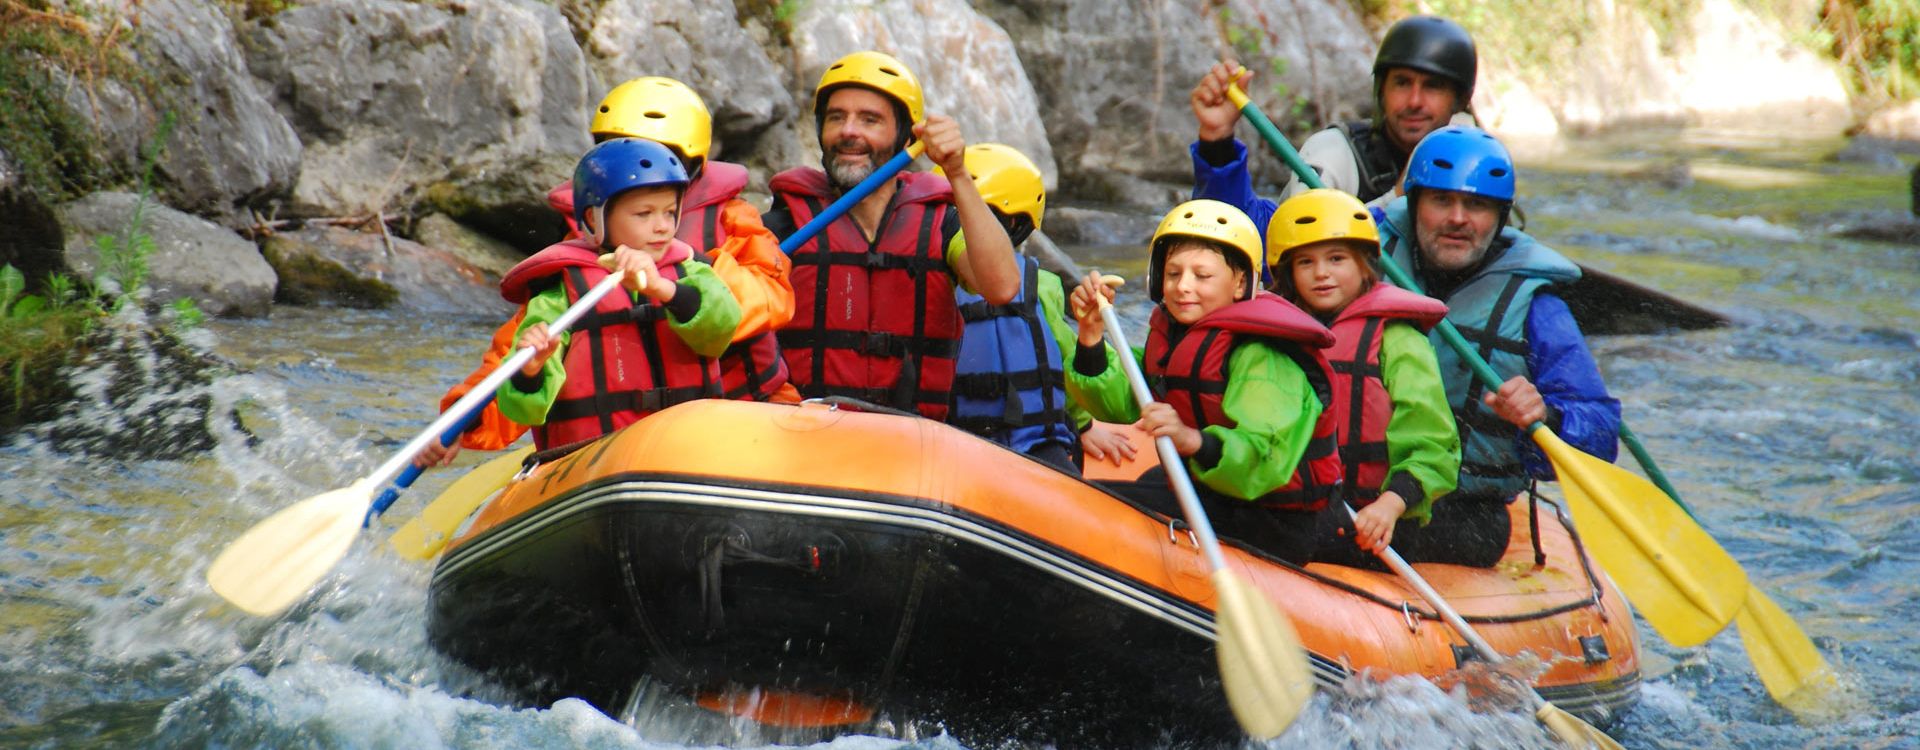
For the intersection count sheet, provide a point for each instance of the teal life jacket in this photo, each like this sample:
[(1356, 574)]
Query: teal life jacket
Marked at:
[(1490, 309)]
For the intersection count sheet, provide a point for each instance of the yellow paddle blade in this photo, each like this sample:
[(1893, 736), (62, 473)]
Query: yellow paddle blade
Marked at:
[(1786, 660), (1262, 665), (1571, 730), (279, 560), (424, 536), (1677, 576)]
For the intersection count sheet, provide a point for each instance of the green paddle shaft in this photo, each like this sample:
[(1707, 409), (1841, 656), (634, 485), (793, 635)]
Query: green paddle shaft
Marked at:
[(1652, 469)]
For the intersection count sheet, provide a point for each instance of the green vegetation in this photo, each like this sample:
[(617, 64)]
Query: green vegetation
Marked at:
[(777, 15), (57, 153), (1878, 41)]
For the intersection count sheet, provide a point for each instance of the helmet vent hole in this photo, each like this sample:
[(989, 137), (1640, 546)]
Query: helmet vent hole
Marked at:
[(1187, 215), (891, 72), (1443, 163), (1497, 172), (655, 115), (604, 109), (646, 163), (1304, 220), (1222, 220), (1359, 216)]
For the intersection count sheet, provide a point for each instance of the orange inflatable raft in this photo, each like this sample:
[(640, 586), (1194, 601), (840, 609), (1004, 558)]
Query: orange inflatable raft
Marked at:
[(867, 564)]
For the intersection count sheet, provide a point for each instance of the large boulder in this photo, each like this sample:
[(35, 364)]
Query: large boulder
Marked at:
[(355, 268), (1113, 80), (702, 44), (228, 146), (475, 107), (191, 257), (1895, 123)]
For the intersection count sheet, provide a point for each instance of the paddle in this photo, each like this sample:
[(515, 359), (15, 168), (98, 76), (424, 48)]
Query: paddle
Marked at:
[(1569, 728), (1262, 665), (280, 559), (424, 537), (1780, 651), (427, 534), (1683, 583)]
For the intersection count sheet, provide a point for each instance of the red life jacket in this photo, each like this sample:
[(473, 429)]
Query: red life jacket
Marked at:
[(623, 361), (752, 369), (873, 320), (1191, 369), (1361, 404)]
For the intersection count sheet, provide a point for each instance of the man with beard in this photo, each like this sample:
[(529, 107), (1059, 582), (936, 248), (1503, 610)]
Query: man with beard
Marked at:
[(1422, 77), (1451, 230), (874, 314)]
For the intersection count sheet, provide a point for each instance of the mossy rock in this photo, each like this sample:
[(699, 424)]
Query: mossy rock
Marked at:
[(307, 279)]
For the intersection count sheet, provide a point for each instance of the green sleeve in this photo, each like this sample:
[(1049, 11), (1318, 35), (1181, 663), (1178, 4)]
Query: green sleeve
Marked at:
[(956, 250), (1273, 410), (1053, 310), (710, 330), (1422, 441), (531, 408), (1107, 396)]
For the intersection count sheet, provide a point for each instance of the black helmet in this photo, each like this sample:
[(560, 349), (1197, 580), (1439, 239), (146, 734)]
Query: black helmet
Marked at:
[(1430, 44)]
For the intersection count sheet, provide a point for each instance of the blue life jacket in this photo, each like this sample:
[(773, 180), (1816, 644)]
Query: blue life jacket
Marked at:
[(1009, 385), (1490, 309)]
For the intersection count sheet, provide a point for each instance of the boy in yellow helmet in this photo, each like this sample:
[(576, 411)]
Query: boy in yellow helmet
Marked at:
[(1010, 384)]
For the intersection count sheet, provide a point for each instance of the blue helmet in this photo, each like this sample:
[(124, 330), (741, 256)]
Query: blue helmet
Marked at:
[(1462, 159), (619, 165)]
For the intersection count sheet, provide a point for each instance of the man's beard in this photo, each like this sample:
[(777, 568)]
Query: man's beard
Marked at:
[(844, 176)]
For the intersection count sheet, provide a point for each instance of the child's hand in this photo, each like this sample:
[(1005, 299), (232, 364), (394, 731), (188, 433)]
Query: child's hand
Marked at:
[(1102, 444), (1086, 311), (1374, 524), (642, 274), (1160, 420), (535, 336), (436, 455)]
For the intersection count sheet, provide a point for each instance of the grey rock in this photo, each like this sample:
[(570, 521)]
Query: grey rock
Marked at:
[(228, 147), (473, 247), (701, 44), (1075, 225), (1113, 79), (1881, 153), (336, 265), (221, 271), (474, 107)]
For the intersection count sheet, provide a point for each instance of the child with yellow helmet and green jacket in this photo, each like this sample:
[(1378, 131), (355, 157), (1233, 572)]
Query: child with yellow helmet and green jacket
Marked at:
[(1398, 443), (1243, 388), (1010, 383)]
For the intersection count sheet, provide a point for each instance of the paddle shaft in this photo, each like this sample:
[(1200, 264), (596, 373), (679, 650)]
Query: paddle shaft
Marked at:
[(846, 202), (413, 470), (482, 392), (1170, 459)]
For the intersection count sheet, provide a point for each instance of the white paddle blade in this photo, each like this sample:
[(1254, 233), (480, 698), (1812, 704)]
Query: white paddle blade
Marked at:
[(280, 559), (1262, 665)]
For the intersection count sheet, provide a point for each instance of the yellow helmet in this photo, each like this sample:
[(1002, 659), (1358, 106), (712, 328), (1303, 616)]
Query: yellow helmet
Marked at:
[(1007, 179), (878, 71), (1207, 220), (1318, 215), (658, 109)]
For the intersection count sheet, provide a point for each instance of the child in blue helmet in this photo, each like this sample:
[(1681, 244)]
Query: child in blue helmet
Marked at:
[(636, 353)]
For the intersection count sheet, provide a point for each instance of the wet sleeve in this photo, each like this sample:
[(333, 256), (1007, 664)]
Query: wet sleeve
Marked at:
[(1423, 443), (1273, 410), (1232, 184), (710, 329), (1104, 394), (1579, 409), (493, 431), (754, 269), (526, 400), (1081, 388)]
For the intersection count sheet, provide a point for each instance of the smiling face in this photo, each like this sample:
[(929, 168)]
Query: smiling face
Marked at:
[(1455, 229), (644, 218), (1328, 276), (1414, 103), (857, 134), (1195, 280)]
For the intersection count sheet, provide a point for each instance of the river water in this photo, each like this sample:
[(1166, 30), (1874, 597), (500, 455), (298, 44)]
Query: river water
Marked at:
[(1789, 433)]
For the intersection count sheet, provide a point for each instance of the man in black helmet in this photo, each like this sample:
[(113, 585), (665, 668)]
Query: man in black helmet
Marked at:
[(1422, 78)]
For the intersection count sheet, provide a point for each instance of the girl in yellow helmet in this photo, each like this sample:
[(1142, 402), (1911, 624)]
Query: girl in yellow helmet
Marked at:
[(1398, 443), (1242, 385)]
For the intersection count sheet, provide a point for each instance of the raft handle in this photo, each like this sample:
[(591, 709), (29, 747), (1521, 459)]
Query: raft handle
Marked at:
[(1406, 610), (1180, 524)]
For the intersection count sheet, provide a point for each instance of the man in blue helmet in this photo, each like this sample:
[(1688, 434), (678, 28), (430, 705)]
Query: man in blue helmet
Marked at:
[(1422, 79), (1450, 230)]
